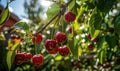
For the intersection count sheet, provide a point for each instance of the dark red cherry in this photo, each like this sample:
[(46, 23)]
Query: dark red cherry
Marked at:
[(51, 46), (19, 58), (90, 46), (28, 56), (95, 39), (37, 59), (60, 37), (36, 39), (64, 51), (70, 16)]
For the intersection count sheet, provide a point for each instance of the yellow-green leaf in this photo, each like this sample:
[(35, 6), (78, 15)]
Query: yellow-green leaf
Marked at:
[(52, 10), (4, 16), (11, 55), (73, 47), (22, 25), (2, 37)]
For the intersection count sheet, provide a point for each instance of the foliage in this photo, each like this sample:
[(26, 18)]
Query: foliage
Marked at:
[(93, 17), (4, 16)]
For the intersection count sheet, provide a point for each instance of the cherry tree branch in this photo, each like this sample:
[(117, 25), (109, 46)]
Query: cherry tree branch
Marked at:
[(58, 14)]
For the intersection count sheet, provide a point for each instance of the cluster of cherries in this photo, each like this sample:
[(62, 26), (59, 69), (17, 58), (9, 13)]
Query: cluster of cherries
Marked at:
[(26, 57), (15, 36), (22, 57), (50, 45), (91, 45)]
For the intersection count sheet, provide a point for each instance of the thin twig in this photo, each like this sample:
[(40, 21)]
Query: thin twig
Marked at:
[(58, 14), (53, 30)]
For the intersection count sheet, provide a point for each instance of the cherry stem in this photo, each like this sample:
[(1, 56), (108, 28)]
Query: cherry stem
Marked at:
[(58, 14), (35, 49), (53, 30)]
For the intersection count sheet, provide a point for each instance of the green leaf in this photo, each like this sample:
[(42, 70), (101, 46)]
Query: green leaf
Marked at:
[(117, 52), (111, 40), (2, 37), (96, 20), (117, 25), (80, 13), (76, 26), (4, 16), (71, 5), (101, 56), (90, 4), (11, 56), (96, 33), (58, 57), (101, 41), (109, 54), (92, 30), (105, 5), (22, 25), (73, 47), (52, 10)]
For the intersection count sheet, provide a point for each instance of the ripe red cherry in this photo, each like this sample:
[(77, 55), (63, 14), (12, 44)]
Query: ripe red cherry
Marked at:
[(106, 65), (17, 37), (69, 29), (60, 37), (51, 46), (64, 51), (89, 36), (53, 51), (70, 16), (21, 39), (90, 46), (76, 63), (95, 39), (37, 59), (19, 58), (28, 56), (12, 37), (36, 39)]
